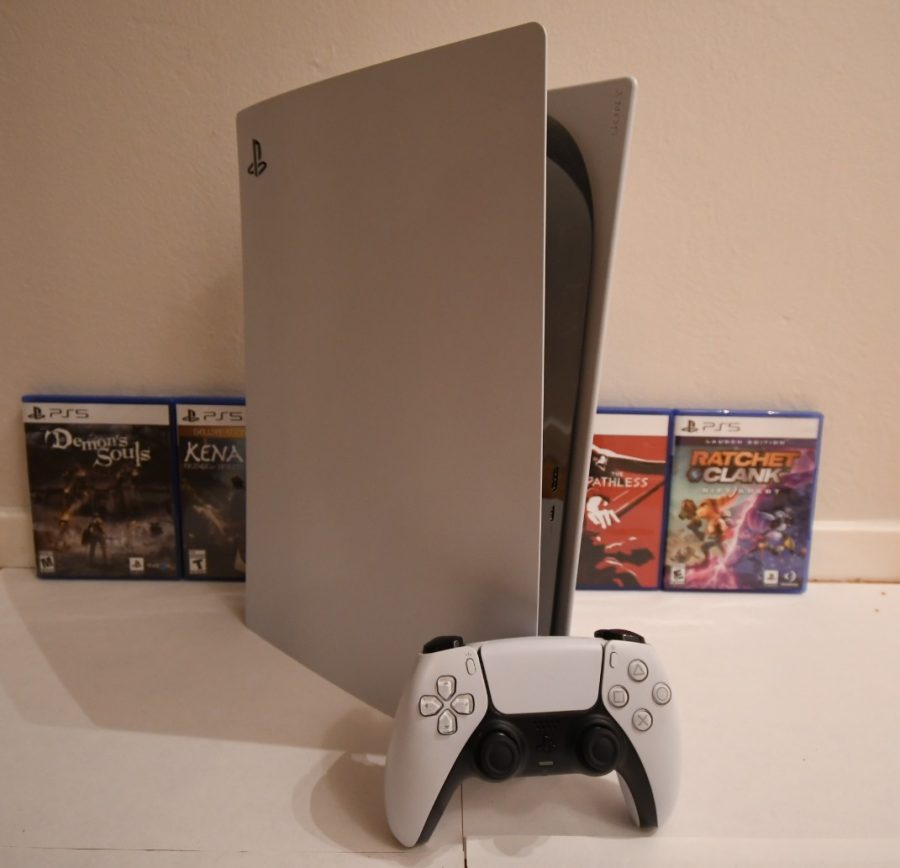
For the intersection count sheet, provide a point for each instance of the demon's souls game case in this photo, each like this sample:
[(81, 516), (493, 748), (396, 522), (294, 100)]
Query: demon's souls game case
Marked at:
[(625, 505), (213, 473), (742, 499), (101, 478)]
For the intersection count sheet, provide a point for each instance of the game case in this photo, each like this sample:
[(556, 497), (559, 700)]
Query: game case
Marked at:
[(101, 478), (212, 480), (625, 502), (741, 500)]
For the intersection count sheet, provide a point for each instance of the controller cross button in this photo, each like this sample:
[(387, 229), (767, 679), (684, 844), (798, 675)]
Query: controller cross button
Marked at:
[(642, 720), (429, 706), (662, 693), (463, 704), (638, 670), (446, 724), (446, 686), (618, 696)]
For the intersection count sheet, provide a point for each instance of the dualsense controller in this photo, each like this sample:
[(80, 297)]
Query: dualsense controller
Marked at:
[(533, 706)]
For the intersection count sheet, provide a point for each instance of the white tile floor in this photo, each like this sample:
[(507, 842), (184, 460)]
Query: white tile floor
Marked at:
[(142, 724)]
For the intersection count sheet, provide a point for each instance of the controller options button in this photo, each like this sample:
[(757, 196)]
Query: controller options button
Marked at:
[(463, 704), (638, 670), (446, 686), (446, 724), (642, 720), (617, 696), (662, 693), (429, 706)]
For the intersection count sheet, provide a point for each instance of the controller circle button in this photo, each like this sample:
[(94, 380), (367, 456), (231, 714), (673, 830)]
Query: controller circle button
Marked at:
[(662, 693), (498, 755)]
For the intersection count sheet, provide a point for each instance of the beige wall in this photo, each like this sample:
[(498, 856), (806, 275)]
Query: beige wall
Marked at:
[(758, 255)]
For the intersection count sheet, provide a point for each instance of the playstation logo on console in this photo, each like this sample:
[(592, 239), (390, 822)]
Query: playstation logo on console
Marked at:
[(258, 166)]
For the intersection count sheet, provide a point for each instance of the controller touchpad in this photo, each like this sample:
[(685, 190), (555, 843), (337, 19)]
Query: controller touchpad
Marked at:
[(555, 674)]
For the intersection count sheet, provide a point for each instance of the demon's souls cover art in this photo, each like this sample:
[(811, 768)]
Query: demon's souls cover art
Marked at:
[(621, 541), (212, 467), (742, 499), (101, 480)]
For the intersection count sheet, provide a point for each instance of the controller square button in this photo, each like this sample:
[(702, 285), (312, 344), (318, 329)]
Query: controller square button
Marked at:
[(429, 705), (463, 704), (642, 720), (446, 686), (638, 670), (446, 724), (662, 693), (618, 696)]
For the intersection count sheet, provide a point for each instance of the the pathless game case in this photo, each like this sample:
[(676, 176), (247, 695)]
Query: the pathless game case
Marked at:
[(741, 501), (101, 478), (625, 501), (213, 473)]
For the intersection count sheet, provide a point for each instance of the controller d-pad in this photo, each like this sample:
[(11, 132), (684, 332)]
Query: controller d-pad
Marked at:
[(446, 686), (446, 724), (429, 705)]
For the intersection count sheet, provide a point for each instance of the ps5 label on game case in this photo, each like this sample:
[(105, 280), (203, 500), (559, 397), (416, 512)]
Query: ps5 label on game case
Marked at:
[(101, 482), (741, 501), (621, 541), (212, 470)]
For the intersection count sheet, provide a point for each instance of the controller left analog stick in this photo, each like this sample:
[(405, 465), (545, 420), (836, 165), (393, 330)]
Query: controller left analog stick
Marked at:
[(498, 755)]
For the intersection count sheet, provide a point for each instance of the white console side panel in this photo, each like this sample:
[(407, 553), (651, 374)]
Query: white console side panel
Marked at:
[(393, 269)]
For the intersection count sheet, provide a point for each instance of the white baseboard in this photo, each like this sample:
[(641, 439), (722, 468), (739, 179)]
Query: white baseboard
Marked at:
[(842, 550), (856, 550)]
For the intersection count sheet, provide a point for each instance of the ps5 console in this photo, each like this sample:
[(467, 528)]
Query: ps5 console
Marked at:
[(426, 258)]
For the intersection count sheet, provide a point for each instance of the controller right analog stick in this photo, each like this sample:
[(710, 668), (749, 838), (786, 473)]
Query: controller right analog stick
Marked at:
[(498, 755), (599, 749)]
